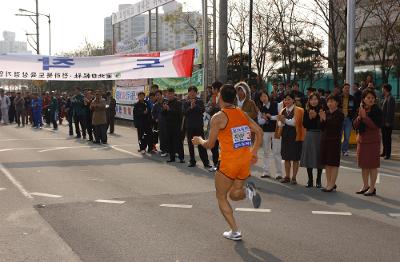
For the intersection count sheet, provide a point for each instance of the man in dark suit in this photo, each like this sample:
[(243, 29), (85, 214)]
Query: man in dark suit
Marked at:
[(193, 108), (172, 112), (111, 104), (388, 108), (142, 121)]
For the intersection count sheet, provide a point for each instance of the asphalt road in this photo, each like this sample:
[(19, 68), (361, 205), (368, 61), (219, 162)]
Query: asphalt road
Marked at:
[(63, 199)]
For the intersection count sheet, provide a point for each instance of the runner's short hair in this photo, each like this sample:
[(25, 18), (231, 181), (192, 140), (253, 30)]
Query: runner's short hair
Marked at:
[(228, 93)]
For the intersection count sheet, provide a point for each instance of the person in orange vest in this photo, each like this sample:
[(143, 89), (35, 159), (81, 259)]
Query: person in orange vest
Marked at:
[(232, 127)]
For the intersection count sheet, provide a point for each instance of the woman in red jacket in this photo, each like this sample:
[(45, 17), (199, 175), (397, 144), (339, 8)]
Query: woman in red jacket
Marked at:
[(368, 124)]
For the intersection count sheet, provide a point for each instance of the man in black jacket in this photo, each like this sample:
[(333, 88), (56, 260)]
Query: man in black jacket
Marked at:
[(172, 112), (193, 109), (388, 109), (142, 121), (212, 108), (111, 105), (160, 122), (348, 108)]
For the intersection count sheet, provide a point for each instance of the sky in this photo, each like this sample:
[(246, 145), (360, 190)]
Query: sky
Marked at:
[(73, 21)]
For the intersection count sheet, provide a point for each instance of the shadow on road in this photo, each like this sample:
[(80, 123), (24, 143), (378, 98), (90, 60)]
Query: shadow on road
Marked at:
[(254, 254)]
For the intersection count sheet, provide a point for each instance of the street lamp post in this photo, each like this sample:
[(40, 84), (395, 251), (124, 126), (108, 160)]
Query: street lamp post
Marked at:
[(37, 27), (350, 47), (36, 14)]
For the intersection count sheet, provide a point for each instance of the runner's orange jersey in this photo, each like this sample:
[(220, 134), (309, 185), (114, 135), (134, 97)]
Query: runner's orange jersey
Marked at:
[(235, 138)]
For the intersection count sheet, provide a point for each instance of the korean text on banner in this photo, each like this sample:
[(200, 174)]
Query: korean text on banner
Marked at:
[(172, 64)]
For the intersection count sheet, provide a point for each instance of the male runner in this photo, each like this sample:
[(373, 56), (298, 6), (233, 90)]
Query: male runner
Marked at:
[(232, 127)]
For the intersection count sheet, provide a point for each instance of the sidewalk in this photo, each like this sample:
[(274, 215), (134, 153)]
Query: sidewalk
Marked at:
[(396, 145)]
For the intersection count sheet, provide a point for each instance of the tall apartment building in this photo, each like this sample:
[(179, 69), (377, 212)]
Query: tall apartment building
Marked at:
[(171, 37), (108, 34), (9, 45)]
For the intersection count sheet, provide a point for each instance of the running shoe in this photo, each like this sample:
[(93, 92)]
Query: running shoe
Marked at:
[(164, 154), (252, 195), (235, 236), (212, 169)]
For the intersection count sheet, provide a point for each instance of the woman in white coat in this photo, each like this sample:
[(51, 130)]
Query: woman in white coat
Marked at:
[(267, 120)]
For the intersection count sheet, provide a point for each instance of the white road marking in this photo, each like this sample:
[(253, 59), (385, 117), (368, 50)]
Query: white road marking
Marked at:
[(62, 148), (47, 149), (110, 201), (15, 182), (31, 139), (125, 151), (394, 214), (176, 206), (331, 213), (2, 188), (257, 210), (96, 179), (52, 149), (357, 169), (378, 179), (46, 195)]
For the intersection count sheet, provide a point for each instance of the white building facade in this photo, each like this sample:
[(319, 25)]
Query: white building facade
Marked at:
[(9, 45)]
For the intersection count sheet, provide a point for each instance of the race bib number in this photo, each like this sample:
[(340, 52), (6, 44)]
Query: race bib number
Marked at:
[(241, 137)]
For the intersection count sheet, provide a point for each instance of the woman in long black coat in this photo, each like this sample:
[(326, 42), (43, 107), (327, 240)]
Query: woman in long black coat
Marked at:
[(331, 125)]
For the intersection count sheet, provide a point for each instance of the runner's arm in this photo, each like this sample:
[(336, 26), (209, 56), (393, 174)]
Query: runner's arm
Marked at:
[(218, 122)]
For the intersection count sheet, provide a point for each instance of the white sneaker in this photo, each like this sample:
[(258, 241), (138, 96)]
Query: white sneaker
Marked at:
[(252, 195), (235, 236), (164, 155), (143, 152), (212, 169)]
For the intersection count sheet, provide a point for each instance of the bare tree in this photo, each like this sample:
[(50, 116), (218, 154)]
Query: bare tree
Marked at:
[(238, 29), (191, 21), (330, 18), (286, 34), (265, 23), (384, 37)]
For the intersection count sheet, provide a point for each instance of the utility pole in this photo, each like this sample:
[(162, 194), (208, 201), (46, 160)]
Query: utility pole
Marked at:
[(206, 55), (350, 47), (223, 41), (49, 34), (37, 27), (250, 40)]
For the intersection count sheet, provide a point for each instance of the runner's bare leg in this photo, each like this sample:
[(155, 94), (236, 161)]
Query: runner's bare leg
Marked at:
[(237, 192), (223, 186)]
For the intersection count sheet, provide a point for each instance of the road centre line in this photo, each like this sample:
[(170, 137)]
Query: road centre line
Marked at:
[(15, 182), (176, 206), (256, 210), (394, 214), (331, 213), (110, 201), (46, 195), (2, 188)]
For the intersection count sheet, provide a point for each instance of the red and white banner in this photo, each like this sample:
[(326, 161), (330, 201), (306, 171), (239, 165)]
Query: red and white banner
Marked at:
[(118, 67)]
